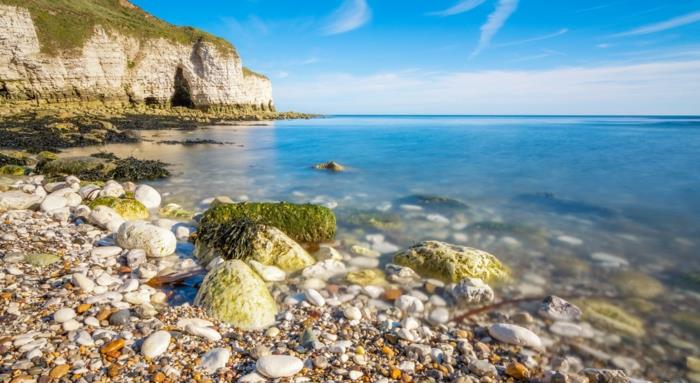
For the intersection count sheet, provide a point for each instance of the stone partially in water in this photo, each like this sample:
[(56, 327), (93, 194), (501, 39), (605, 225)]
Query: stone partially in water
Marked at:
[(175, 211), (88, 168), (148, 196), (156, 241), (303, 223), (471, 291), (688, 321), (612, 317), (127, 208), (451, 263), (432, 201), (596, 375), (246, 240), (366, 277), (233, 293), (331, 165), (370, 218), (558, 309), (636, 284)]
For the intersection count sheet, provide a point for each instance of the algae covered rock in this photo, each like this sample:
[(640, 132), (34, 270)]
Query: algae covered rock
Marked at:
[(173, 210), (82, 167), (688, 321), (636, 284), (232, 292), (612, 317), (451, 263), (331, 165), (127, 208), (12, 170), (367, 277), (303, 223), (432, 201), (246, 240), (371, 218)]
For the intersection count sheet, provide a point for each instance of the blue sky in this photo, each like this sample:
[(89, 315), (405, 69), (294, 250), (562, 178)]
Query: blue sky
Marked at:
[(463, 56)]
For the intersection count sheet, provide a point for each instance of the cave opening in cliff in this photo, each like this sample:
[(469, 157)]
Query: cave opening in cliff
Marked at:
[(182, 95)]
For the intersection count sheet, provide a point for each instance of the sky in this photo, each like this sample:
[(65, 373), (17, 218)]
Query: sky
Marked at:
[(462, 56)]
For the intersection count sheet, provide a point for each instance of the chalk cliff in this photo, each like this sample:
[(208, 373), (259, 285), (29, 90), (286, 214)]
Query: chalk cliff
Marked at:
[(45, 57)]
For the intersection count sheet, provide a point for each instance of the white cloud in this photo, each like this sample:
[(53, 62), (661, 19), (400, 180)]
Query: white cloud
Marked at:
[(460, 7), (536, 38), (351, 15), (675, 22), (496, 20), (670, 87)]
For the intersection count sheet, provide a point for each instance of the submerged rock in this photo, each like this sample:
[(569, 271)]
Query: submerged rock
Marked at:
[(246, 240), (451, 263), (233, 293), (432, 201), (366, 277), (596, 375), (127, 208), (370, 218), (636, 284), (612, 317), (332, 166), (156, 241), (303, 223), (558, 309)]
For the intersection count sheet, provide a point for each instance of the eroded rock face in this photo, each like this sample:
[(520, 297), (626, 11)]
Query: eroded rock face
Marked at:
[(451, 263), (114, 67), (232, 292)]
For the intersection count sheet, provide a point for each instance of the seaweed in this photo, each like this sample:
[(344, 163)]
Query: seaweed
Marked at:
[(432, 201), (133, 169)]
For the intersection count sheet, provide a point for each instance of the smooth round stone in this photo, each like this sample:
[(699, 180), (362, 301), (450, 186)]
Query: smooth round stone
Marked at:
[(120, 317), (156, 344), (70, 325), (352, 313), (106, 251), (64, 315), (609, 260), (253, 377), (92, 322), (314, 297), (512, 334), (86, 284), (112, 189), (53, 202), (409, 304), (279, 366), (148, 196), (268, 273), (570, 330), (137, 297), (439, 315), (215, 359), (569, 240), (204, 332), (156, 241)]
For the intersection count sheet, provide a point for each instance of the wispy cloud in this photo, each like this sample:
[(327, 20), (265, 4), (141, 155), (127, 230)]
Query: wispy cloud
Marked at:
[(663, 87), (496, 20), (460, 7), (537, 38), (675, 22), (543, 54), (596, 7), (351, 15)]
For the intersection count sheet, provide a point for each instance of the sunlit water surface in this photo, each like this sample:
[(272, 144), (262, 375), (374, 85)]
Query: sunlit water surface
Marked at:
[(547, 195)]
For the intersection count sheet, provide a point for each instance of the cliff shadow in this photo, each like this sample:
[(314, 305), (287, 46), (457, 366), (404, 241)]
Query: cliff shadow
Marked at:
[(182, 94)]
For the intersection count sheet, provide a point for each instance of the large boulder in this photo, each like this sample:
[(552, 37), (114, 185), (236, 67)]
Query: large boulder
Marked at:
[(156, 241), (303, 223), (17, 200), (451, 263), (232, 292), (82, 167), (247, 240), (128, 208)]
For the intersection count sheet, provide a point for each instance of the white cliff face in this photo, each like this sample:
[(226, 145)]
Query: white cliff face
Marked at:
[(113, 67)]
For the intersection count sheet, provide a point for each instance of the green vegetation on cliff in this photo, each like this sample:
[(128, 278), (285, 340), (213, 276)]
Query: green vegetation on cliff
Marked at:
[(63, 25)]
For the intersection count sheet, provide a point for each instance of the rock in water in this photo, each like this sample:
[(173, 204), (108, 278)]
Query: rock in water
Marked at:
[(609, 316), (451, 263), (129, 209), (595, 375), (234, 293), (471, 291), (246, 240), (558, 309), (303, 223), (148, 196), (512, 334), (332, 166), (156, 241), (156, 344), (279, 366)]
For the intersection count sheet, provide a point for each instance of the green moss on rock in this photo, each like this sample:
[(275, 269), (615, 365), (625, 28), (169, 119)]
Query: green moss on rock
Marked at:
[(451, 263), (612, 317), (175, 211), (81, 167), (367, 277), (232, 292), (246, 240), (129, 209), (635, 284), (303, 223), (12, 170)]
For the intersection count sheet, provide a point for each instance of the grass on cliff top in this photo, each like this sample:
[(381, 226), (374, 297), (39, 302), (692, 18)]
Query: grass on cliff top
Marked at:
[(247, 72), (64, 25)]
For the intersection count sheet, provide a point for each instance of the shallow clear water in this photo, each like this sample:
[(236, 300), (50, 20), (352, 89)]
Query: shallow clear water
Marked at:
[(625, 186)]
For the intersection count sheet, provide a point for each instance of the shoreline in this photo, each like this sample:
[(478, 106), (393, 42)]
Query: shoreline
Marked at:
[(398, 329)]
